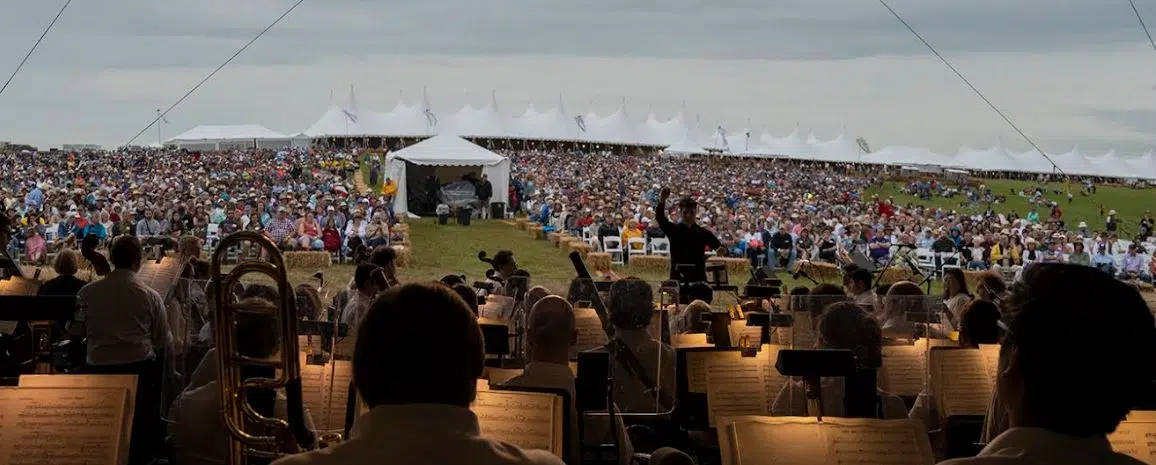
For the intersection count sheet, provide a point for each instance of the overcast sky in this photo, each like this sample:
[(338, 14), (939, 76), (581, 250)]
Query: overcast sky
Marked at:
[(1069, 72)]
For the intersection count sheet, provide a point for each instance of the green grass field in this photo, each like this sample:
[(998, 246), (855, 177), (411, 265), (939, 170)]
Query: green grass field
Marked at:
[(1129, 203)]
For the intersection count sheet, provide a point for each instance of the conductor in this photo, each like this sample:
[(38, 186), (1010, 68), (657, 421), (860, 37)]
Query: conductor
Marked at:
[(688, 240)]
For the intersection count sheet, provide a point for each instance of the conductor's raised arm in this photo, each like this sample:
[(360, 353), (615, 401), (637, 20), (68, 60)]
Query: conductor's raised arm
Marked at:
[(660, 212)]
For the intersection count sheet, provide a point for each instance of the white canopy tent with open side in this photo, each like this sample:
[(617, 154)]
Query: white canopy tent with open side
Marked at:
[(448, 151)]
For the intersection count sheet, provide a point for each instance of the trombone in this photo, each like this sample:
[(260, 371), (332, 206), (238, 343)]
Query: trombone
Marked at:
[(276, 437)]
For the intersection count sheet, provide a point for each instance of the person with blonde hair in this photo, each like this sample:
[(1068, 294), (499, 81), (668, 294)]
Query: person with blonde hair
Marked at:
[(65, 282)]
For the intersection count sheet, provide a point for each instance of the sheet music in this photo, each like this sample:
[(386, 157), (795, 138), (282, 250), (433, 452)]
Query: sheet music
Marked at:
[(497, 307), (739, 329), (63, 426), (800, 335), (904, 370), (159, 277), (309, 344), (1136, 436), (590, 332), (529, 420), (963, 380), (739, 385), (325, 392), (17, 286), (126, 382), (501, 375), (684, 341), (798, 440), (8, 327)]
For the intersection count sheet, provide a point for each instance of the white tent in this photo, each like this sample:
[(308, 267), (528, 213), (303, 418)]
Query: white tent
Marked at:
[(214, 137), (448, 151)]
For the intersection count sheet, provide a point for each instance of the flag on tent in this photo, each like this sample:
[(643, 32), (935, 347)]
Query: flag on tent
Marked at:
[(431, 120), (722, 134), (581, 123), (348, 114)]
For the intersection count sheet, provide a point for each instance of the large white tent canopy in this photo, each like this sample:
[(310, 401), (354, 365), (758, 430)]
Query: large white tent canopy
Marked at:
[(451, 151), (220, 137)]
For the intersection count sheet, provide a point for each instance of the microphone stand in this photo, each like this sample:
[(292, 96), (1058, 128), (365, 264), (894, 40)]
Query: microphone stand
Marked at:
[(890, 258)]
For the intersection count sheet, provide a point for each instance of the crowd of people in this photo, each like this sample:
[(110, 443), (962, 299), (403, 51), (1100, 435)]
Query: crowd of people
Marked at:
[(301, 199), (779, 212)]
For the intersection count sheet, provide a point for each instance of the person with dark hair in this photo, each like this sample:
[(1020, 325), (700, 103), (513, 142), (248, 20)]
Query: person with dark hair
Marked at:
[(99, 263), (857, 284), (631, 307), (843, 325), (503, 262), (424, 418), (128, 333), (1051, 416), (700, 291), (385, 258), (452, 279), (467, 294), (368, 280), (979, 324), (688, 241), (955, 293)]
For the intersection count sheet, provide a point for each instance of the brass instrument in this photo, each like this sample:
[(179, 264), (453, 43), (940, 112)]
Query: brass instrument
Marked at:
[(285, 437)]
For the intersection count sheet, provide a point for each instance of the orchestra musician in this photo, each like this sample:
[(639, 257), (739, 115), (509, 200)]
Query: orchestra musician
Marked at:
[(419, 400), (128, 333)]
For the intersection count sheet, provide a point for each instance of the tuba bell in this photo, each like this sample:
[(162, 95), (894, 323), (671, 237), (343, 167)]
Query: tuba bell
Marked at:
[(276, 437)]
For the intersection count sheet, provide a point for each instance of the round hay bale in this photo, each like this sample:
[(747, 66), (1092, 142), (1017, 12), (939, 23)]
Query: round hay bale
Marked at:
[(308, 259), (649, 263), (737, 268), (895, 274), (404, 256), (521, 223), (598, 261)]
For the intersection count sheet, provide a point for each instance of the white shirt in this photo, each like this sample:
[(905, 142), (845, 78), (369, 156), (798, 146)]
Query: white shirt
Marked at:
[(421, 434), (355, 310), (1028, 446), (198, 431), (124, 320)]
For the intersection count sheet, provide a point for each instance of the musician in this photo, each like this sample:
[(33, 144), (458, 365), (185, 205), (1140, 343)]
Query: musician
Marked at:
[(857, 283), (688, 241), (551, 334), (386, 258), (128, 334), (197, 434), (631, 307), (419, 400), (1061, 399), (366, 287), (843, 326), (65, 282)]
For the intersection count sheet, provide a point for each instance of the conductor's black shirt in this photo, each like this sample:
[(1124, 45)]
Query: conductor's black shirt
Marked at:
[(688, 245)]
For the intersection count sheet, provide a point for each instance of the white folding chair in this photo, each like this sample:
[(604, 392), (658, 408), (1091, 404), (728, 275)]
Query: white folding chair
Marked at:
[(212, 236), (660, 246), (636, 246), (589, 237), (944, 257), (925, 260), (612, 246)]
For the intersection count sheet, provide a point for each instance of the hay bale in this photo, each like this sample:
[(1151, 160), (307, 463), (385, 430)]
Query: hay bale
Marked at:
[(822, 272), (895, 274), (598, 261), (521, 224), (649, 263), (972, 278), (556, 238), (581, 247), (737, 268), (309, 260), (538, 233), (401, 228), (404, 256)]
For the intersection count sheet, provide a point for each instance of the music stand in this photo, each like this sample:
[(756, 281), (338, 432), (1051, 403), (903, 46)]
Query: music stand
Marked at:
[(39, 312)]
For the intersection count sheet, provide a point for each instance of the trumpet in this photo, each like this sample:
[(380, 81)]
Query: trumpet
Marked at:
[(277, 437)]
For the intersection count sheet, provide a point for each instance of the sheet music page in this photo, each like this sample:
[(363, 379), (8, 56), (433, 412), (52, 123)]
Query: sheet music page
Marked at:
[(19, 287), (501, 375), (961, 381), (750, 440), (325, 393), (799, 336), (738, 386), (904, 370), (696, 377), (739, 329), (590, 332), (685, 341), (126, 382), (876, 442), (311, 342), (529, 420), (159, 277), (801, 440), (313, 391), (483, 385), (1136, 436), (497, 307), (63, 426)]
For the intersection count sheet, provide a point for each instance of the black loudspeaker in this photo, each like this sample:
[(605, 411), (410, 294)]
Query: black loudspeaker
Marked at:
[(497, 210)]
